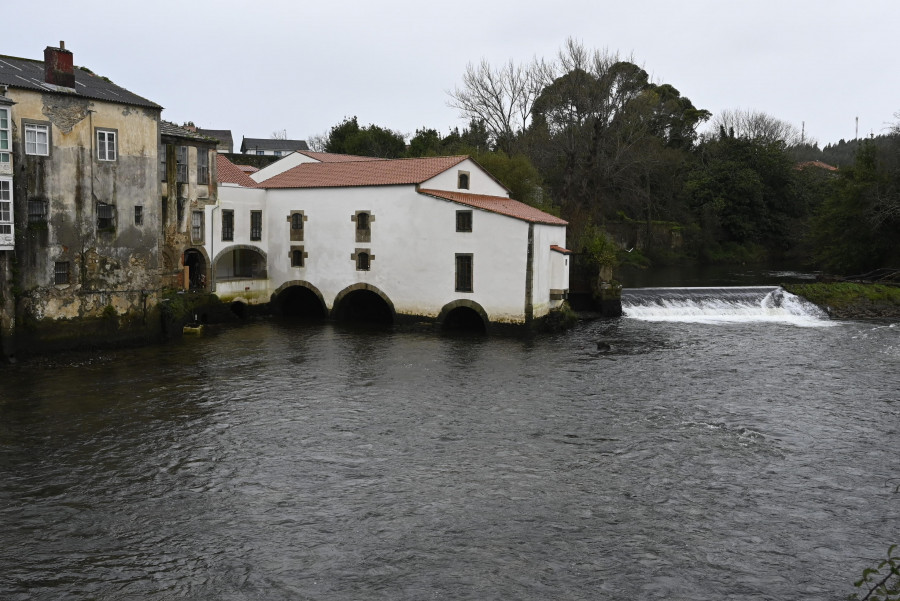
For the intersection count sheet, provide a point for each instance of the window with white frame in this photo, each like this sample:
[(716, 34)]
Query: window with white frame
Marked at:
[(5, 206), (106, 145), (197, 226), (4, 135), (37, 139)]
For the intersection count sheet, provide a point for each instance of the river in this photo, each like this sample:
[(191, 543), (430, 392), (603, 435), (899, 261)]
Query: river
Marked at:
[(670, 454)]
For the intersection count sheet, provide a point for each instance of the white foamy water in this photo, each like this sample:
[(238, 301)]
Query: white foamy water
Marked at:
[(722, 305)]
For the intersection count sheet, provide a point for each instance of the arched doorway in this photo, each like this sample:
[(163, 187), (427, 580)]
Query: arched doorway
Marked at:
[(195, 261), (363, 303)]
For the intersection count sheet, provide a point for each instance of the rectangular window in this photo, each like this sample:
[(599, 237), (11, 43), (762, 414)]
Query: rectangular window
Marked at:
[(296, 219), (5, 206), (197, 226), (106, 145), (297, 256), (181, 168), (227, 225), (37, 211), (37, 139), (256, 225), (138, 215), (4, 135), (106, 216), (363, 226), (462, 180), (464, 221), (464, 273), (61, 272), (162, 162), (202, 166)]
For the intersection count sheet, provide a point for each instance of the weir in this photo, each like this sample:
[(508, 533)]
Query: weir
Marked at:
[(722, 305)]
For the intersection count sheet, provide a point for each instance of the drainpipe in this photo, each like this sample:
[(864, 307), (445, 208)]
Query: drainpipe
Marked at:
[(212, 248)]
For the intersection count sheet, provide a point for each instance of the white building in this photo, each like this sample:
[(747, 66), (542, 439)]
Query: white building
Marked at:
[(429, 239)]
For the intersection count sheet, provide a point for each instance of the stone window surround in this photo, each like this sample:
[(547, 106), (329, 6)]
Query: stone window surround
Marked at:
[(293, 255), (463, 179), (355, 257), (297, 232), (464, 219), (363, 227)]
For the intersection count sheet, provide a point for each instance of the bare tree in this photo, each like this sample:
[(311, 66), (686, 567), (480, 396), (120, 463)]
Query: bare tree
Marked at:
[(317, 142), (500, 97), (279, 134), (756, 125)]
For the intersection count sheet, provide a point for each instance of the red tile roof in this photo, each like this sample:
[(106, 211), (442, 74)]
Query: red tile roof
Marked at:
[(560, 249), (328, 157), (229, 173), (498, 204), (248, 169), (364, 172)]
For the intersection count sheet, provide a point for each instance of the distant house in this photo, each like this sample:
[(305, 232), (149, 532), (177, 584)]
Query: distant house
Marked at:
[(78, 165), (262, 146), (226, 141), (429, 239)]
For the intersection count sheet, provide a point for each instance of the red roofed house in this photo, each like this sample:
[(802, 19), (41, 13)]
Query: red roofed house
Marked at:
[(428, 239)]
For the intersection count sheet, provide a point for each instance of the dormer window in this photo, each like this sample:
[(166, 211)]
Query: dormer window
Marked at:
[(462, 180)]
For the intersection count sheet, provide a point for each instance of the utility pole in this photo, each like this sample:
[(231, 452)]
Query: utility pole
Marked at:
[(856, 135)]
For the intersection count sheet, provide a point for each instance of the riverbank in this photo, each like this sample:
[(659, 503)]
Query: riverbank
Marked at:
[(847, 300)]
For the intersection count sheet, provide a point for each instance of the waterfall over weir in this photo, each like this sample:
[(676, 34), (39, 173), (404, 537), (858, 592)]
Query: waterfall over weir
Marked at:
[(721, 305)]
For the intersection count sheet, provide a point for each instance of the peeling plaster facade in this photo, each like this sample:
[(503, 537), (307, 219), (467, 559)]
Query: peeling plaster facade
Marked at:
[(85, 201)]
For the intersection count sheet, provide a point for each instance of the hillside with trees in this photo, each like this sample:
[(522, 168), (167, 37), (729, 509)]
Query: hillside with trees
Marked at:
[(633, 164)]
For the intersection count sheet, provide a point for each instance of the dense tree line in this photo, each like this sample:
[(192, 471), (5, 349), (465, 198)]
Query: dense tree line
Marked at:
[(589, 136)]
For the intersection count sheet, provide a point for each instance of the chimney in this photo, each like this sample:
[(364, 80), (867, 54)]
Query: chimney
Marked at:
[(58, 66)]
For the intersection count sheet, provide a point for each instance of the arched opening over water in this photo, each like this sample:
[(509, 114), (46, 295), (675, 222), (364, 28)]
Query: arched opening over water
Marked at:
[(463, 316), (197, 263), (299, 300), (239, 308), (363, 303)]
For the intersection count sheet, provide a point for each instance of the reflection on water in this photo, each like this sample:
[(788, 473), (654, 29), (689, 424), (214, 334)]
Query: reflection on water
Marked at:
[(276, 461)]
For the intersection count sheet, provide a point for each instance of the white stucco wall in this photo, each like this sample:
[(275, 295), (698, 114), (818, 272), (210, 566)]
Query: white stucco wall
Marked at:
[(479, 181), (413, 245)]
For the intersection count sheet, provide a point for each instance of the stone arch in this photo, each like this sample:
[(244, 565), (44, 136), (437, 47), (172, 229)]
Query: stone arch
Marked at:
[(465, 304), (336, 307), (201, 279), (234, 247), (278, 296)]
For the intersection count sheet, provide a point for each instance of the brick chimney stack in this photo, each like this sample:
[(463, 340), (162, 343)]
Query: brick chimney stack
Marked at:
[(59, 67)]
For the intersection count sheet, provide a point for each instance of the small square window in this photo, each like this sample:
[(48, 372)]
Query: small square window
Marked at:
[(138, 215), (106, 216), (464, 221), (106, 145), (37, 211), (297, 256), (61, 272)]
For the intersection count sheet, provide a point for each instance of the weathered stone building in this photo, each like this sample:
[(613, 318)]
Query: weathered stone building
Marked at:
[(81, 175), (188, 184)]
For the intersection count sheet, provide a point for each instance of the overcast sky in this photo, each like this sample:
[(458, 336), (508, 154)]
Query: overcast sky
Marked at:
[(302, 66)]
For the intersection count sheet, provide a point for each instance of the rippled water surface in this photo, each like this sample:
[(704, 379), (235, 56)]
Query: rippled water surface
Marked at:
[(278, 461)]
